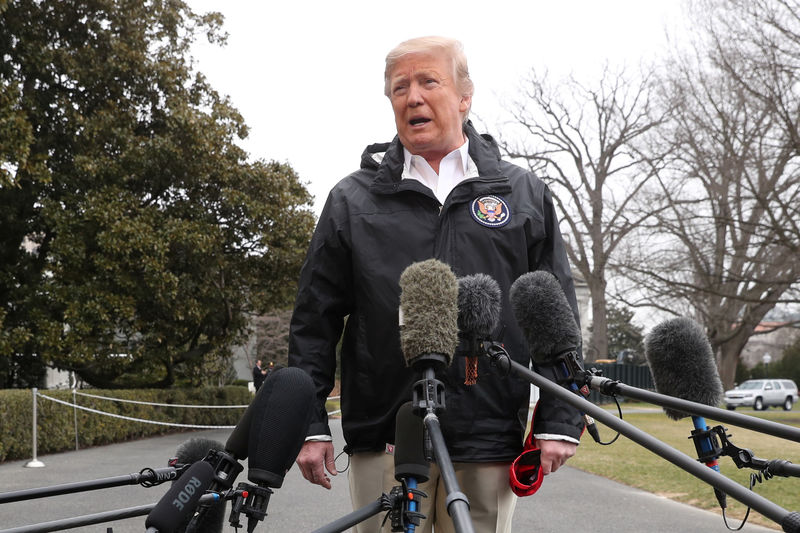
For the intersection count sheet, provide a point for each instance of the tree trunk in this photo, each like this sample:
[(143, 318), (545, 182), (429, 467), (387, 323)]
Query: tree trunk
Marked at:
[(598, 342), (728, 361)]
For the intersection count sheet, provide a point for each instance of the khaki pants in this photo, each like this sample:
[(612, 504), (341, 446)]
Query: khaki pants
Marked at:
[(486, 486)]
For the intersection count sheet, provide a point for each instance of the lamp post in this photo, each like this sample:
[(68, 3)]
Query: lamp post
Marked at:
[(766, 359)]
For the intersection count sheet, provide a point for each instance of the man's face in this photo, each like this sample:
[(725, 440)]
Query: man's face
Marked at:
[(427, 105)]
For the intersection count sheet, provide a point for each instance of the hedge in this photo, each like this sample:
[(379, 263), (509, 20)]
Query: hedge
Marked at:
[(56, 422)]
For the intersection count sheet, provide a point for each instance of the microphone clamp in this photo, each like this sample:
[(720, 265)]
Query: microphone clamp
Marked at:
[(400, 514), (744, 458), (226, 468), (572, 372), (498, 356), (252, 500), (714, 450), (428, 395)]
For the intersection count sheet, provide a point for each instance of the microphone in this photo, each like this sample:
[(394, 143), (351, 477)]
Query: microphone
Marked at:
[(410, 464), (682, 364), (428, 338), (239, 438), (177, 505), (545, 316), (428, 314), (194, 449), (226, 462), (175, 510), (479, 309), (279, 430), (409, 453), (548, 323), (190, 452), (281, 415), (479, 306)]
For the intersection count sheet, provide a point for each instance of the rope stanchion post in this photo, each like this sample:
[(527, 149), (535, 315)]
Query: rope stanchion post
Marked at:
[(75, 416), (34, 462)]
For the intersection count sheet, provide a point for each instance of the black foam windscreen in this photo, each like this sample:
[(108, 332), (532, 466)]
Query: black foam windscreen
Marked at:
[(192, 451), (544, 314), (409, 446), (239, 440), (195, 449), (280, 421), (479, 305), (682, 364), (428, 310), (175, 508)]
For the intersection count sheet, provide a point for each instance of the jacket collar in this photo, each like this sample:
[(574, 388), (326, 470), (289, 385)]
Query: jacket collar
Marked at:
[(387, 159)]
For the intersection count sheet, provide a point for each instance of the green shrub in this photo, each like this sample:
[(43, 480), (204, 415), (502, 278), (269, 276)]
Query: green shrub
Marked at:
[(57, 422)]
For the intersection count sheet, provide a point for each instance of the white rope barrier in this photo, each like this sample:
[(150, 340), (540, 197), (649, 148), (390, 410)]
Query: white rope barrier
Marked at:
[(95, 411), (177, 404), (36, 463), (161, 404)]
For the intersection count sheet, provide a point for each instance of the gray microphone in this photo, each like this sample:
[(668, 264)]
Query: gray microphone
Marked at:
[(479, 309), (428, 314), (479, 306), (546, 318), (428, 338), (682, 364)]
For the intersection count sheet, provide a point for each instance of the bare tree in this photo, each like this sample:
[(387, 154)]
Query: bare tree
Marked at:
[(583, 140), (726, 249), (757, 43)]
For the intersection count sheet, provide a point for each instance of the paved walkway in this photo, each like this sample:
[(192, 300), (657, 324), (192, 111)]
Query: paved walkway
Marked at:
[(569, 500)]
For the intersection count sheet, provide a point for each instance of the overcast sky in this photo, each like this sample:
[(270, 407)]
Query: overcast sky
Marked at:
[(307, 76)]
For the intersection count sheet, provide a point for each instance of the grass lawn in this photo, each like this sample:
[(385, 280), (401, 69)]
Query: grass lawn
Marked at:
[(631, 464)]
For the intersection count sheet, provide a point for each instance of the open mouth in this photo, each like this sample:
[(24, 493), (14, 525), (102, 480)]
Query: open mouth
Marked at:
[(418, 121)]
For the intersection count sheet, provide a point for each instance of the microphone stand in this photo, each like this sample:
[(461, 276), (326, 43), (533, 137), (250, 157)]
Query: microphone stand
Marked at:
[(396, 501), (147, 478), (789, 521), (611, 387), (96, 518), (428, 401)]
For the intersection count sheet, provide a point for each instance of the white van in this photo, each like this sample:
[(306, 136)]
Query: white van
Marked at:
[(761, 393)]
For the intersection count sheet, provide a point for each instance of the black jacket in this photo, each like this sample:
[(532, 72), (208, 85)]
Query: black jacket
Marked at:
[(372, 227)]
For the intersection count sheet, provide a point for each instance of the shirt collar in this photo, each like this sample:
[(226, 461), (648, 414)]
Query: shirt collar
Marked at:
[(463, 157)]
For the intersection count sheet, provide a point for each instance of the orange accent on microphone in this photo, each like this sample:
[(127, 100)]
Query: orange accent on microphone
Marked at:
[(471, 371)]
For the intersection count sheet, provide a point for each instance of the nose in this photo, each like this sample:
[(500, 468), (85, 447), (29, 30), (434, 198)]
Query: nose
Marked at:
[(415, 95)]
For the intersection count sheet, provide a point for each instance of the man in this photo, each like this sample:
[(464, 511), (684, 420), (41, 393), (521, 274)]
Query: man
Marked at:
[(259, 375), (425, 195)]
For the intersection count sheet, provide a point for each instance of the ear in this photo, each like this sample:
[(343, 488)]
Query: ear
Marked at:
[(466, 101)]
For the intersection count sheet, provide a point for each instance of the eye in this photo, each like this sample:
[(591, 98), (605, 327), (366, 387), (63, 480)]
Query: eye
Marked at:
[(399, 89)]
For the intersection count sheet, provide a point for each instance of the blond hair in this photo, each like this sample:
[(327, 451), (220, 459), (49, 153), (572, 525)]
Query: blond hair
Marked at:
[(451, 48)]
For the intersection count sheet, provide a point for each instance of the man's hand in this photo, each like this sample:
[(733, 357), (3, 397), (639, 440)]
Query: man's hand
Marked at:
[(554, 453), (313, 455)]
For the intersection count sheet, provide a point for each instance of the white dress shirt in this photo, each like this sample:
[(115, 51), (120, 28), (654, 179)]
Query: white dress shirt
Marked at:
[(454, 168)]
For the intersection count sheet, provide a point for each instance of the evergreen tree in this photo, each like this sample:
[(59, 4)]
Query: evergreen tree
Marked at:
[(136, 235)]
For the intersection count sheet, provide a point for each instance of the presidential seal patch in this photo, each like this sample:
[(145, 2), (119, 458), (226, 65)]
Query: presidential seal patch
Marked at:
[(490, 211)]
